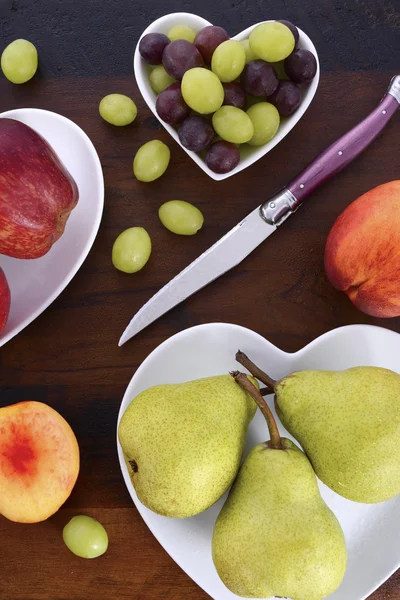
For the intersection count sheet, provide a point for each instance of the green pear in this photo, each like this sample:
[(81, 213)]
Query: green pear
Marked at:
[(183, 443), (275, 536), (348, 423)]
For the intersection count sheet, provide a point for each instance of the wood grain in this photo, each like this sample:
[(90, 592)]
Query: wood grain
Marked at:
[(69, 356)]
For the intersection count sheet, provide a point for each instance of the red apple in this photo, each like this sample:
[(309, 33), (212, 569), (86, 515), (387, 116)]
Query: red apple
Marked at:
[(362, 254), (4, 300), (37, 193)]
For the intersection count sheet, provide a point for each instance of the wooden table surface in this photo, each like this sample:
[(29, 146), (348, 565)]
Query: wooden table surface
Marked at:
[(69, 356)]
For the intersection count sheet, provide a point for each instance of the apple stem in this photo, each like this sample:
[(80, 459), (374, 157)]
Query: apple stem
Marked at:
[(244, 360), (247, 385)]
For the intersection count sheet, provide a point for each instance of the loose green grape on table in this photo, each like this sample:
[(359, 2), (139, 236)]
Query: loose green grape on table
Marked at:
[(151, 161), (118, 109), (181, 217), (131, 250), (85, 537), (19, 61)]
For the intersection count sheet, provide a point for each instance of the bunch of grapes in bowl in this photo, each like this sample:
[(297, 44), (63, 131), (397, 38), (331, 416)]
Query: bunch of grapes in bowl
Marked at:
[(222, 94)]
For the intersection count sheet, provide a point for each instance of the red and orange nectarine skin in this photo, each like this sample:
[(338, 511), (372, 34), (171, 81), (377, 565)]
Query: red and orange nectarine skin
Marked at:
[(37, 193), (39, 461), (5, 299), (362, 253)]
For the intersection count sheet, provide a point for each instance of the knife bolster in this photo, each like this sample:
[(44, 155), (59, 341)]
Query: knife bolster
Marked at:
[(279, 207)]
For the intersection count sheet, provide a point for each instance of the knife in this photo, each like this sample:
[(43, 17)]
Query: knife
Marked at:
[(238, 243)]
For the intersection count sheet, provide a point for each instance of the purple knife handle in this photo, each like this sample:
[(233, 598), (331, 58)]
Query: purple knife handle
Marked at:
[(333, 159), (343, 151)]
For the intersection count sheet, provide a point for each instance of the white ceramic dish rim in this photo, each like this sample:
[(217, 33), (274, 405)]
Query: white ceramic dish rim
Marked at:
[(96, 217), (163, 25), (187, 332)]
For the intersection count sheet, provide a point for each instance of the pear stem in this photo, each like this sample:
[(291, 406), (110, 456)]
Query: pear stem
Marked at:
[(266, 391), (254, 370), (246, 384)]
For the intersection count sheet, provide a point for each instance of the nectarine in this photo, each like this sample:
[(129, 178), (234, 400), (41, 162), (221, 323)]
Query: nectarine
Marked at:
[(4, 300), (39, 461), (362, 254)]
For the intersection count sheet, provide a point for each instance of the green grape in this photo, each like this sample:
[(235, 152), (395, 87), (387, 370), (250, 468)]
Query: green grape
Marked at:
[(118, 109), (280, 69), (272, 41), (265, 119), (151, 161), (250, 55), (85, 537), (159, 79), (251, 100), (202, 90), (233, 125), (182, 32), (19, 61), (228, 60), (181, 217), (131, 250)]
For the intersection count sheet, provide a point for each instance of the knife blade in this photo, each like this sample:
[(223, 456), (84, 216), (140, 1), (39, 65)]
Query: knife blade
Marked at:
[(240, 241), (228, 252)]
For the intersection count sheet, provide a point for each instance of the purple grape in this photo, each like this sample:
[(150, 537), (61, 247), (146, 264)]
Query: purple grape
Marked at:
[(208, 39), (259, 78), (170, 105), (293, 29), (222, 157), (151, 47), (286, 98), (180, 56), (195, 133), (234, 95), (301, 66)]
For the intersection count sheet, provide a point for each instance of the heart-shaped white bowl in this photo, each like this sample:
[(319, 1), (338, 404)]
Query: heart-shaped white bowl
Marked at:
[(34, 284), (372, 531), (248, 154)]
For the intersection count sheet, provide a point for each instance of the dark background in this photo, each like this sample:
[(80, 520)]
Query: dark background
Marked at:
[(69, 356), (96, 38)]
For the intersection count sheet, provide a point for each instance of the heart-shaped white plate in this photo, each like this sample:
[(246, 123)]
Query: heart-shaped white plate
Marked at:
[(372, 531), (34, 284), (248, 154)]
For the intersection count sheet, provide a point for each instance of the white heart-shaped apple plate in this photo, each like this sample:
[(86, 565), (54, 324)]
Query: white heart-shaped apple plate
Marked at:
[(372, 531), (248, 154), (35, 283)]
